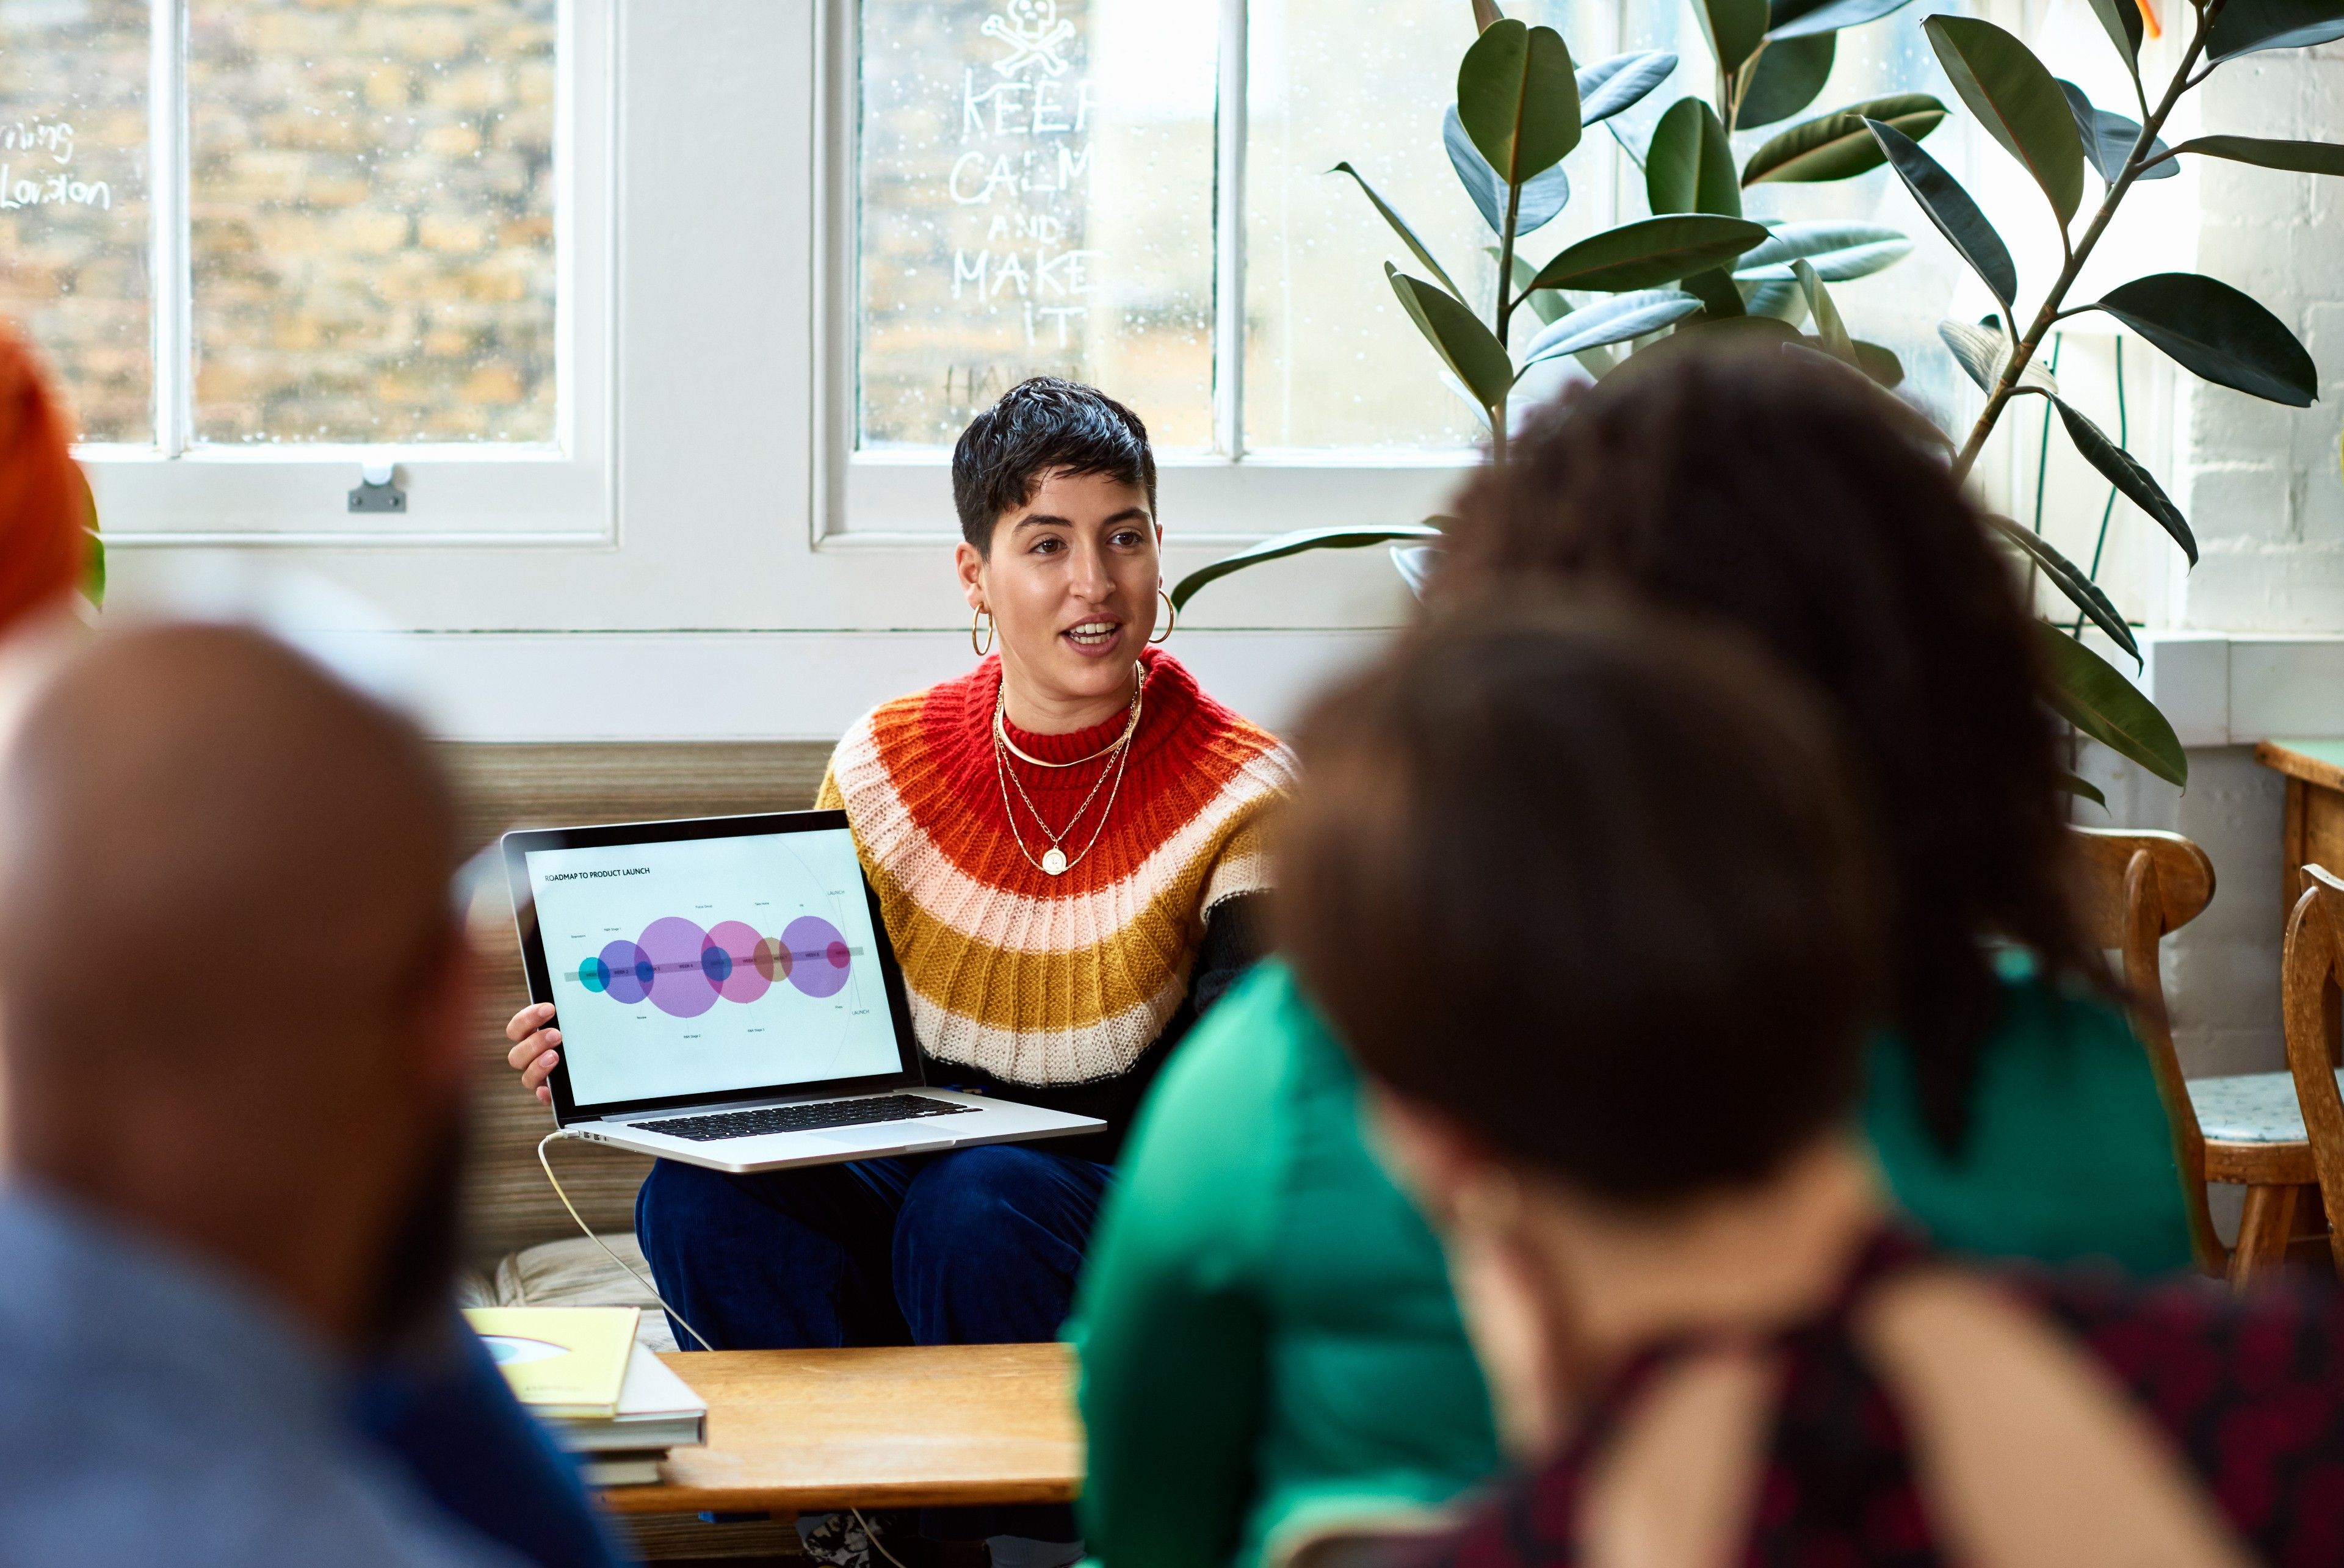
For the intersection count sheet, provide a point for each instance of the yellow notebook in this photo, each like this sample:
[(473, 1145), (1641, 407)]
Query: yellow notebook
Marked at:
[(560, 1361)]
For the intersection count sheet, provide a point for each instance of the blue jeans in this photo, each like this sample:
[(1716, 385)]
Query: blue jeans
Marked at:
[(976, 1246)]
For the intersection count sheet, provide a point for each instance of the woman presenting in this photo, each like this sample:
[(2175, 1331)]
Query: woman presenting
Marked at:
[(1065, 843)]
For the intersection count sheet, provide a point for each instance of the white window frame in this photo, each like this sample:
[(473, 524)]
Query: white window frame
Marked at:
[(1213, 501), (176, 491)]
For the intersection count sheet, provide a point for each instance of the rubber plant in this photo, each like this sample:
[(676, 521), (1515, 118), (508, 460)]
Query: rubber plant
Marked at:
[(1668, 273), (2063, 141), (1698, 263)]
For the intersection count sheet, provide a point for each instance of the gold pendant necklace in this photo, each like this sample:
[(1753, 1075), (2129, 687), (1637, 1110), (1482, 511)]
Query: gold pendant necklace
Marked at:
[(1001, 723), (1053, 861)]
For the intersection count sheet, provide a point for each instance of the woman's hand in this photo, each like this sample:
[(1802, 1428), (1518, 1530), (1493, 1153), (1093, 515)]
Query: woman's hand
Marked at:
[(533, 1055)]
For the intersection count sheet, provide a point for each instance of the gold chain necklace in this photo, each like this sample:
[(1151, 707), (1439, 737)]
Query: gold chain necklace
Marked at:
[(1053, 861), (1001, 724)]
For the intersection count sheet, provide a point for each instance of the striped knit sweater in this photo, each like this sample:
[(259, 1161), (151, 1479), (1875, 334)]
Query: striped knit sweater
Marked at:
[(1032, 979)]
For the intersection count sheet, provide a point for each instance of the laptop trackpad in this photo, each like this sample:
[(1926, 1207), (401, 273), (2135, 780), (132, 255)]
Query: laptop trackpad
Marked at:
[(884, 1135)]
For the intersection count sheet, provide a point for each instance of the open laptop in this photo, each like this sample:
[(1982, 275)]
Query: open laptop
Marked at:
[(727, 996)]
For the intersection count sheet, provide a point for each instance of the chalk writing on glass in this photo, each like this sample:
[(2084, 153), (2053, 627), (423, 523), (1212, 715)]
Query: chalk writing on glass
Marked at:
[(1021, 172), (45, 184)]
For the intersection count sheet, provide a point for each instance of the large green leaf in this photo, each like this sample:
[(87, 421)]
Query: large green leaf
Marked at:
[(1784, 78), (1950, 207), (1468, 347), (2300, 157), (1620, 82), (1982, 349), (1294, 544), (1879, 363), (2017, 101), (2092, 694), (1831, 332), (2108, 140), (1689, 166), (1650, 252), (2119, 468), (1400, 227), (1840, 251), (1733, 28), (2243, 26), (2218, 333), (1518, 95), (2070, 579), (1545, 194), (2083, 788), (1720, 297), (1612, 320), (1837, 145), (2121, 21), (1802, 18)]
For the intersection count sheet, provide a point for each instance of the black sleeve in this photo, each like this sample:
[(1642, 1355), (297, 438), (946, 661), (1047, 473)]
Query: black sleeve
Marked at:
[(1237, 935)]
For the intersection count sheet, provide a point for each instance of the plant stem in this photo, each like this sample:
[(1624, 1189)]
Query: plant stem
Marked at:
[(1505, 310), (2080, 252)]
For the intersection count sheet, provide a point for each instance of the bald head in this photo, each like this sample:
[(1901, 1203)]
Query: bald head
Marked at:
[(215, 858)]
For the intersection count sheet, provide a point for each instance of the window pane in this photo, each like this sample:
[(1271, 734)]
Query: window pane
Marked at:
[(372, 212), (1330, 359), (1037, 198), (74, 219)]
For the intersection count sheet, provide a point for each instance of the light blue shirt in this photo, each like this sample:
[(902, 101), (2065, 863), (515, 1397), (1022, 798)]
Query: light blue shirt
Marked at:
[(152, 1412)]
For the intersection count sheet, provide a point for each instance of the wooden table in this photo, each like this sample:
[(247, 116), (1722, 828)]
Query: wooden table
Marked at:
[(793, 1431), (2312, 830)]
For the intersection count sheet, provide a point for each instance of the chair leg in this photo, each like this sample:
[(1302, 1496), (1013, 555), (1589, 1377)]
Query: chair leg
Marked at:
[(2264, 1228)]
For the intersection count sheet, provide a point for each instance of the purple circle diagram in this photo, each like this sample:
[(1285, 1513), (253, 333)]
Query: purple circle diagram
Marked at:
[(818, 955), (683, 970)]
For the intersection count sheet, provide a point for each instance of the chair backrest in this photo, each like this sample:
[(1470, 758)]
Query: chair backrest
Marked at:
[(2135, 888), (2315, 953)]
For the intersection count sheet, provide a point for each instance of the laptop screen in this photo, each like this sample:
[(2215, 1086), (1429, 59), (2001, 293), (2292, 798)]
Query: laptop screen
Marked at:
[(707, 965)]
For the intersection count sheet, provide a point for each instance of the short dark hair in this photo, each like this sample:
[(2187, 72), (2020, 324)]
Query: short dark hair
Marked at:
[(1782, 497), (1040, 427), (1596, 886)]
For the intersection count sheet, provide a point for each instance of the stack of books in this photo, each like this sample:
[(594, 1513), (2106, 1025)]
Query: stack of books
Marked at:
[(608, 1399)]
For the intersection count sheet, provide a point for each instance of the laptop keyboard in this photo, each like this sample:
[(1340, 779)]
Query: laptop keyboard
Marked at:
[(802, 1118)]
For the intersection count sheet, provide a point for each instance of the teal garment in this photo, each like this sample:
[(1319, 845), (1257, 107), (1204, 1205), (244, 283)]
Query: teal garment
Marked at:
[(1268, 1338), (1266, 1327), (2069, 1154)]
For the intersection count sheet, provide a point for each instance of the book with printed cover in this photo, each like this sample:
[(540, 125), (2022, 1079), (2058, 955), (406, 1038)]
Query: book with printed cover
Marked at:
[(562, 1361)]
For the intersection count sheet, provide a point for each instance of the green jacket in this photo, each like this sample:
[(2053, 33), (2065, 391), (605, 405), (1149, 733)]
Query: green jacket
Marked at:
[(1266, 1333)]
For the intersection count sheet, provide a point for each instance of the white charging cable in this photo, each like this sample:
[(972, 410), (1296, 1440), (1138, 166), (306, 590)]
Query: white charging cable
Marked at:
[(869, 1534), (605, 1246)]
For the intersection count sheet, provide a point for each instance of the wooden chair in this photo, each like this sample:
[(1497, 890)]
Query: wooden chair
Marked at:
[(2314, 960), (2136, 888)]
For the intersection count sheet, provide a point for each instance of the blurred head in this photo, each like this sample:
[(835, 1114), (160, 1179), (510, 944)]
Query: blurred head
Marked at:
[(1787, 500), (1056, 488), (1590, 886), (232, 980), (44, 510)]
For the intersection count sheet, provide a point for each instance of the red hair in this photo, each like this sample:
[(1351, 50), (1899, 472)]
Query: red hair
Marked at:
[(45, 503)]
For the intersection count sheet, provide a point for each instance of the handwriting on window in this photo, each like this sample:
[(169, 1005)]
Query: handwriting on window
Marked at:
[(34, 155), (1018, 181)]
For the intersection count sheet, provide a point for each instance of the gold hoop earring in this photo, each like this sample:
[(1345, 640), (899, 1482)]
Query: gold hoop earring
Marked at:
[(985, 616), (1171, 618)]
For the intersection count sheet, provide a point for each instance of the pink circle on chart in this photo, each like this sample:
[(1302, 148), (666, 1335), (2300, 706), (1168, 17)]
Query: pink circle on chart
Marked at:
[(747, 980), (820, 960), (679, 983)]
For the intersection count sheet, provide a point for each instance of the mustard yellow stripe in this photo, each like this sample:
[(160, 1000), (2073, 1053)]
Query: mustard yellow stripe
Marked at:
[(1072, 988)]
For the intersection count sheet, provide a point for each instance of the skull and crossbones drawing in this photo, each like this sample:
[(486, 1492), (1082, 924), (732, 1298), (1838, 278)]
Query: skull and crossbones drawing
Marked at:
[(1034, 33)]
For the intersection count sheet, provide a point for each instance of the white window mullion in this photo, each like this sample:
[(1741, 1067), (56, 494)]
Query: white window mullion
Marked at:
[(169, 282), (1229, 236)]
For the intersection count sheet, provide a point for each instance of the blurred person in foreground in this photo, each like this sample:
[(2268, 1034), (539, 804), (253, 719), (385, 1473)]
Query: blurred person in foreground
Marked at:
[(1269, 1338), (1592, 897), (212, 1227)]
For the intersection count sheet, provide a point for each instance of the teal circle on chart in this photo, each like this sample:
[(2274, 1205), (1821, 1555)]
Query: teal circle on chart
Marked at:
[(594, 973)]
